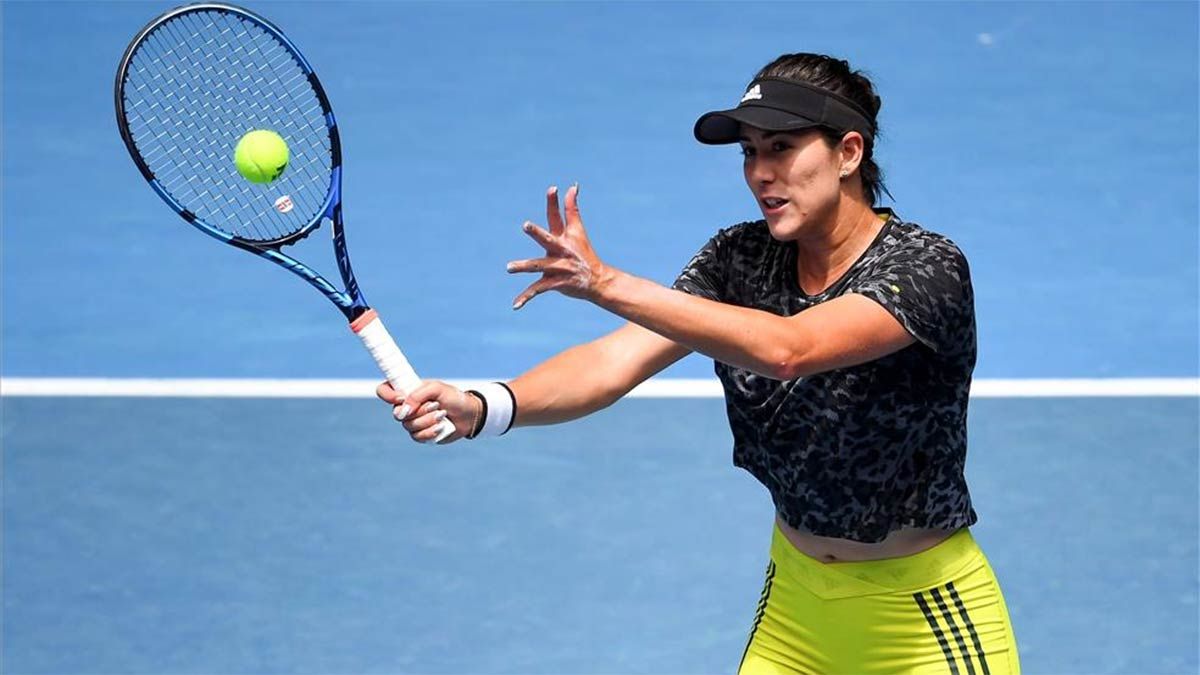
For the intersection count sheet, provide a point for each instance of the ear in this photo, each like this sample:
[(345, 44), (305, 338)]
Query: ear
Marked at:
[(850, 152)]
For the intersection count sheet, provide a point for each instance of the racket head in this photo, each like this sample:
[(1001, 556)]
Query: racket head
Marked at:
[(195, 80)]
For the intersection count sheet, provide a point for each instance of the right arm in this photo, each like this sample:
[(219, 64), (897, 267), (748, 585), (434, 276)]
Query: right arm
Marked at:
[(591, 376), (567, 386)]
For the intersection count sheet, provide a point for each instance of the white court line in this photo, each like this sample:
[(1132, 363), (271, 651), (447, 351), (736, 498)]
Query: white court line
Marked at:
[(654, 388)]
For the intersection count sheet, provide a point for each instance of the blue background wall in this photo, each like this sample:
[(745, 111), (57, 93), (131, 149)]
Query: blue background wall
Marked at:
[(1055, 142)]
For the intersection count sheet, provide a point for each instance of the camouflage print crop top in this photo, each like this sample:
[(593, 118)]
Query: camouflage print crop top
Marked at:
[(858, 452)]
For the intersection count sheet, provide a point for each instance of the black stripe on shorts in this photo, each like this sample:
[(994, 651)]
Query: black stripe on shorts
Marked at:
[(937, 632), (761, 609), (958, 638), (962, 611)]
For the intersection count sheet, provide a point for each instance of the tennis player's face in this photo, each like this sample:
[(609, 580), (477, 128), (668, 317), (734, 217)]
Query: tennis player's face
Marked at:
[(794, 178)]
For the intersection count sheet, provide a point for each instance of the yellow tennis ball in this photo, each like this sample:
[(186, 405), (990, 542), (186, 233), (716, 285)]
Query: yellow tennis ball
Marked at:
[(261, 156)]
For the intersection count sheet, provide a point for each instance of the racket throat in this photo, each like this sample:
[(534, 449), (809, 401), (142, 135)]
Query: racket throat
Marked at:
[(358, 304)]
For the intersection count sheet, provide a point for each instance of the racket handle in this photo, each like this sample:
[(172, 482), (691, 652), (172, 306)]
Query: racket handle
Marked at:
[(400, 374)]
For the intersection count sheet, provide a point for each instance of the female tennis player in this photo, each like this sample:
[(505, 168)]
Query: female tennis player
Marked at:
[(844, 337)]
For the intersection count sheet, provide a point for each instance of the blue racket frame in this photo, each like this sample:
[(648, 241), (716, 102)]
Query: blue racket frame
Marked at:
[(350, 301)]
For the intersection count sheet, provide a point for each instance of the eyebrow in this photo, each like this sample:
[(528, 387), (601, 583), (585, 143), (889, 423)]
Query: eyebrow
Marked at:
[(765, 136)]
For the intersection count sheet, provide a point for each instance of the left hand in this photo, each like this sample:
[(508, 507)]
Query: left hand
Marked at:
[(570, 266)]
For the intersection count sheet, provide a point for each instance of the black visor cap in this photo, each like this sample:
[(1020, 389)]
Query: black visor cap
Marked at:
[(774, 104)]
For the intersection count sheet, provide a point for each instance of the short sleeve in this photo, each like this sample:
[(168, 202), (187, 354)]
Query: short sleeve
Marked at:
[(705, 273), (926, 285)]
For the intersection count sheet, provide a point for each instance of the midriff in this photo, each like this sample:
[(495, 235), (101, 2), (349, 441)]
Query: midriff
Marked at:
[(898, 544)]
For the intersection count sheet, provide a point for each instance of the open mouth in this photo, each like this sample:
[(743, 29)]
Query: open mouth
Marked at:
[(773, 203)]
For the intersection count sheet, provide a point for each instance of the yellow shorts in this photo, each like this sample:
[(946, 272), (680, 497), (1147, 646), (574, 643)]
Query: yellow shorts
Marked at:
[(938, 611)]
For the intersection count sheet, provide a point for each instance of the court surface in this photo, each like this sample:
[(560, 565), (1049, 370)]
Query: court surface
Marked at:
[(200, 535), (1056, 143)]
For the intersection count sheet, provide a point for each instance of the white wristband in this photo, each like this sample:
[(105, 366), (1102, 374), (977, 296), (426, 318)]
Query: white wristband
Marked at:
[(500, 409)]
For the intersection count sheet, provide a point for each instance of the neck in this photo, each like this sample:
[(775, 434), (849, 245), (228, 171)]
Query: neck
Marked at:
[(824, 257)]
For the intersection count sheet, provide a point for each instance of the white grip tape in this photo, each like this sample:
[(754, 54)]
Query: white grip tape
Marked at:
[(395, 366)]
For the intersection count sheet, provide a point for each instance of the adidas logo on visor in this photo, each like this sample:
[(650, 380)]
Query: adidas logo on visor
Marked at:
[(752, 94)]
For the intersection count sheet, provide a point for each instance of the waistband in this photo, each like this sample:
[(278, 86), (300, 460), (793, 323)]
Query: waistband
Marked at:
[(956, 555)]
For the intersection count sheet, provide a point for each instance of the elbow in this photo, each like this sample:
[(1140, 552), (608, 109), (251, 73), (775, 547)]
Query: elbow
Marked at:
[(786, 365), (609, 394), (788, 355), (785, 371)]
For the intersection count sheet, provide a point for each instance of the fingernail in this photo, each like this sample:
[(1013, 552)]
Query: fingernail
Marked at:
[(439, 415), (516, 305), (528, 226), (553, 189), (430, 407), (509, 267), (405, 410)]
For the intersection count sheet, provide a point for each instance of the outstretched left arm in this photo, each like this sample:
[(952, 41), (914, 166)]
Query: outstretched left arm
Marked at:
[(843, 332), (840, 333)]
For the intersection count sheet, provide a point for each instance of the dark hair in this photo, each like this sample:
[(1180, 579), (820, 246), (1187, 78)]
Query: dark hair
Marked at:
[(835, 75)]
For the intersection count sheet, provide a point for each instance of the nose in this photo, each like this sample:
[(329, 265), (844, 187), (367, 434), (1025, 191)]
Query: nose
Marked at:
[(759, 171)]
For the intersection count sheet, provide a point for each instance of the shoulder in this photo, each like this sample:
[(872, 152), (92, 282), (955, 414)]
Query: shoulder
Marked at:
[(748, 233), (912, 245), (747, 243), (912, 238), (921, 277)]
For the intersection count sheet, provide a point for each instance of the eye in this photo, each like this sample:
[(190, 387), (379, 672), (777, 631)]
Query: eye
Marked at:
[(780, 146), (748, 151)]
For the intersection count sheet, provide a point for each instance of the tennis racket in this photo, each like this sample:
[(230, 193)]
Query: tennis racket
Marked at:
[(190, 85)]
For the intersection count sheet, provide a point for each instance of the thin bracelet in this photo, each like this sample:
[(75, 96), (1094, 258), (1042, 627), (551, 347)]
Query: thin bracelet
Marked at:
[(480, 415)]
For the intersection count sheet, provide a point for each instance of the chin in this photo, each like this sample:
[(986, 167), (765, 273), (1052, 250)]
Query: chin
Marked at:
[(784, 229)]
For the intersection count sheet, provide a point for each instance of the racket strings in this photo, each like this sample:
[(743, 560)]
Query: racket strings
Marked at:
[(199, 82), (179, 127), (228, 96), (233, 93), (186, 182), (313, 116)]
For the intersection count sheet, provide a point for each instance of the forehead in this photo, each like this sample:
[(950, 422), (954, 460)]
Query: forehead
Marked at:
[(749, 134)]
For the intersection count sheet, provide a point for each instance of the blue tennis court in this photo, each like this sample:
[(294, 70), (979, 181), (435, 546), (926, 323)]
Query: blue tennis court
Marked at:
[(1056, 143), (151, 536)]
